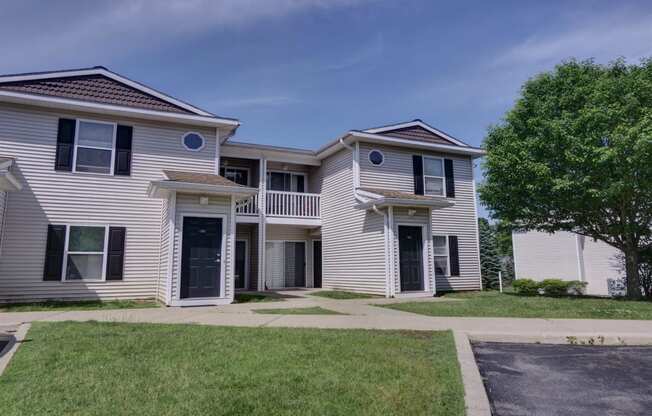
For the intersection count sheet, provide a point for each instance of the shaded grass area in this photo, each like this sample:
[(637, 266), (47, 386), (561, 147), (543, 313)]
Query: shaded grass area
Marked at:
[(54, 305), (92, 368), (509, 305), (316, 310), (256, 297), (340, 294)]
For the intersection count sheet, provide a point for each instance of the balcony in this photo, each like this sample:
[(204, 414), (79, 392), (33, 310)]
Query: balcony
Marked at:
[(284, 207)]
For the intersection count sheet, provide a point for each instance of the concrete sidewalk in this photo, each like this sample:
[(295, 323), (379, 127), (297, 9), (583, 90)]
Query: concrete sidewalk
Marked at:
[(361, 314)]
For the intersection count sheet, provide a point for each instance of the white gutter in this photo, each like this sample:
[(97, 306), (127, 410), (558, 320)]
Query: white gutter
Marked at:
[(156, 188)]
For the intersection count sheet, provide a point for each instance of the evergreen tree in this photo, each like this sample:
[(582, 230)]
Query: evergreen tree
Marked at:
[(490, 261)]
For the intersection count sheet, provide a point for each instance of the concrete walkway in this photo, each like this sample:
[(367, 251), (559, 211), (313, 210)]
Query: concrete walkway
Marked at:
[(360, 314)]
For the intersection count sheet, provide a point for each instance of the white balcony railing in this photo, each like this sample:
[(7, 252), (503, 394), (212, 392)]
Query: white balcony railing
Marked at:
[(283, 204), (293, 204), (247, 206)]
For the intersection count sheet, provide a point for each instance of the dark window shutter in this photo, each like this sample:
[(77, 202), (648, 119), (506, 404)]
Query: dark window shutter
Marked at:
[(116, 253), (454, 253), (65, 144), (417, 170), (54, 252), (450, 178), (123, 151)]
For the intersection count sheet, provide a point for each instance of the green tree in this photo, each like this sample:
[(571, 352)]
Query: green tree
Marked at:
[(490, 262), (574, 154)]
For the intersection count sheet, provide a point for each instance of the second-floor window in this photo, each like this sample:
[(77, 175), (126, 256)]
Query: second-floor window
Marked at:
[(94, 147), (237, 175), (286, 181), (433, 176)]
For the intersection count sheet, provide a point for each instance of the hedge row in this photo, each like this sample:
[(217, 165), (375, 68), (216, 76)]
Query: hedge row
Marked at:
[(549, 287)]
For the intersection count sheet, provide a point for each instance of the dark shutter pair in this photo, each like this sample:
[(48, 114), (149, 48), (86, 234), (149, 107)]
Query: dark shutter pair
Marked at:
[(417, 169), (55, 247), (454, 255), (66, 144)]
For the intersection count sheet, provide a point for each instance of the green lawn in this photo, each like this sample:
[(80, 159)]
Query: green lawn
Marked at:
[(316, 310), (77, 305), (495, 304), (255, 297), (93, 368), (340, 294)]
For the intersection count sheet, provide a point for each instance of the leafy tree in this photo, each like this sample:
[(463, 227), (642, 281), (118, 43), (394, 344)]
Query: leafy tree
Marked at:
[(574, 154), (490, 262)]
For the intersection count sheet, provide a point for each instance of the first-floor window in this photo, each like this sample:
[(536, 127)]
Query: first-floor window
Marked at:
[(441, 255), (85, 252)]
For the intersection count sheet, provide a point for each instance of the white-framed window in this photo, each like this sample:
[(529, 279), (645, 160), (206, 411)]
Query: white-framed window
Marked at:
[(434, 181), (441, 255), (237, 175), (85, 252), (193, 141), (286, 181), (376, 157), (94, 147)]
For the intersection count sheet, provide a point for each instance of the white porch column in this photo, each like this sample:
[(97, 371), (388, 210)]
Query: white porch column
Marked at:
[(262, 221)]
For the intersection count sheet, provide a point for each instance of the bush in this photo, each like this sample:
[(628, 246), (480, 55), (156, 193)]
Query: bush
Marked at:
[(554, 287), (549, 287), (526, 287)]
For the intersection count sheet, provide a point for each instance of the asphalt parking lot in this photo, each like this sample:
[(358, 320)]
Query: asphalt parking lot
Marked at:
[(543, 379)]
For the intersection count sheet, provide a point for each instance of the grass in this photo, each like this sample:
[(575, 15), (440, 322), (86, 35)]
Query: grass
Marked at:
[(508, 305), (255, 297), (340, 294), (52, 305), (92, 368), (298, 311)]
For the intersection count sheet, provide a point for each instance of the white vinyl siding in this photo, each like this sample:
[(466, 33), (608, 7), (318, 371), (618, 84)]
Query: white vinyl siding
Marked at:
[(353, 247), (460, 220), (3, 205), (57, 197)]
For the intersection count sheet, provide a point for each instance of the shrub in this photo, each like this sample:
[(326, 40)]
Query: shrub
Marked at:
[(554, 287), (577, 288), (526, 287)]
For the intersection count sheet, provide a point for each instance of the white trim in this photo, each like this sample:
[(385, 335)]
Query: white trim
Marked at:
[(440, 202), (79, 105), (231, 239), (172, 220), (271, 153), (424, 256), (443, 177), (76, 145), (308, 222), (218, 144), (392, 252), (246, 266), (305, 263), (382, 155), (111, 75), (431, 249), (262, 223), (223, 271), (417, 123), (66, 252), (477, 231), (157, 189), (353, 135), (183, 141)]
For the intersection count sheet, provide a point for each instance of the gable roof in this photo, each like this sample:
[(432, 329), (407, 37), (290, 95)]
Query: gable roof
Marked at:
[(416, 130), (97, 85)]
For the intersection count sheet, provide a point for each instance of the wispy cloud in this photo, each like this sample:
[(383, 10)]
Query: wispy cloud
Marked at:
[(261, 101), (363, 56), (35, 34)]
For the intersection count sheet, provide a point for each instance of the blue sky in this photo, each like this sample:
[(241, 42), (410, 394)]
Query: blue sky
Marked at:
[(299, 72)]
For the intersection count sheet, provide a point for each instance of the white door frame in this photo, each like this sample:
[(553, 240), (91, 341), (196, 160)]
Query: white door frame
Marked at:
[(178, 301), (424, 254)]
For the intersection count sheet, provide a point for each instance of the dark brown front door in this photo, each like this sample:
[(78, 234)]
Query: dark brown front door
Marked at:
[(316, 261), (201, 257), (240, 266), (410, 247)]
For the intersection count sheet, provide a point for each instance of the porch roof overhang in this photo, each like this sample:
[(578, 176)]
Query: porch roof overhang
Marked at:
[(384, 198), (8, 181), (198, 183)]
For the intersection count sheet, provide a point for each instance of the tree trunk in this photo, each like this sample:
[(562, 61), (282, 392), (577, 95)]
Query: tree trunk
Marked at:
[(631, 272)]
